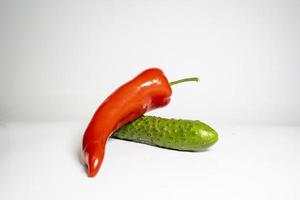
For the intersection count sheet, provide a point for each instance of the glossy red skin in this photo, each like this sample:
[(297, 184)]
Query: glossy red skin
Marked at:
[(147, 91)]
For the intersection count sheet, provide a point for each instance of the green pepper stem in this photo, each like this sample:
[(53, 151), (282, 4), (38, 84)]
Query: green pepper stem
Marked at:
[(184, 80)]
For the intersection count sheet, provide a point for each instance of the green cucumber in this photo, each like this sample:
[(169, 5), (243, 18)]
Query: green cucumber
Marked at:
[(179, 134)]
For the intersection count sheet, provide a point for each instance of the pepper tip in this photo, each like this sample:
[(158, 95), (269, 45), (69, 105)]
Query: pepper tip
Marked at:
[(93, 158)]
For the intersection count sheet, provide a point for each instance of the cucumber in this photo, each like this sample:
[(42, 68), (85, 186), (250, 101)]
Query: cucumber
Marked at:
[(179, 134)]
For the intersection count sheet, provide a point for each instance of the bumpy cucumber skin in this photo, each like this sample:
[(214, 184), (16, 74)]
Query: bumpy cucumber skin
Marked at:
[(179, 134)]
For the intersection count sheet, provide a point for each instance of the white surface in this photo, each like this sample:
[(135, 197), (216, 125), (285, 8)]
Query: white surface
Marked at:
[(60, 59), (41, 161)]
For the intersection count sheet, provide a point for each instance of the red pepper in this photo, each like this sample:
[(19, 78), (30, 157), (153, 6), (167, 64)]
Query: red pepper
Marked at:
[(147, 91)]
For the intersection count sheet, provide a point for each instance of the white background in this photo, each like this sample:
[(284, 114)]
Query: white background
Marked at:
[(60, 59)]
